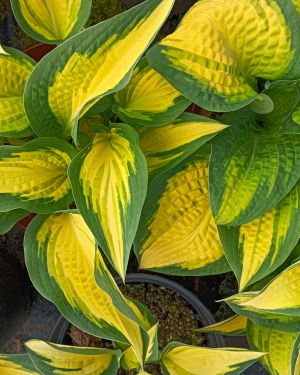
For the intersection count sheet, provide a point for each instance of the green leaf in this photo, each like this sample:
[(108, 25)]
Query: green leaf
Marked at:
[(262, 104), (9, 218), (296, 357), (290, 103), (253, 164)]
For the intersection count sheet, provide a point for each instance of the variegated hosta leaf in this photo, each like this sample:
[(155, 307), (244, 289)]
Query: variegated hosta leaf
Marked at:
[(92, 64), (254, 250), (60, 255), (129, 360), (107, 283), (148, 99), (234, 326), (110, 192), (253, 165), (220, 47), (177, 233), (281, 295), (9, 218), (17, 364), (296, 357), (51, 21), (166, 146), (277, 344), (288, 323), (56, 359), (34, 176), (15, 68), (180, 359), (291, 105)]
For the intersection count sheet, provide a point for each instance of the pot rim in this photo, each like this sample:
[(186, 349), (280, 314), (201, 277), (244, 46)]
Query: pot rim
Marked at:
[(205, 316)]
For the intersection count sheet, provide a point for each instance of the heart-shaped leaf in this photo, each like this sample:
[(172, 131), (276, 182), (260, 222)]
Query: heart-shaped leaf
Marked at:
[(253, 164), (221, 47)]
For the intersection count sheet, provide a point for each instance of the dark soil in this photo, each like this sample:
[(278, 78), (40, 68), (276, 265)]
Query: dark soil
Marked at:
[(178, 321)]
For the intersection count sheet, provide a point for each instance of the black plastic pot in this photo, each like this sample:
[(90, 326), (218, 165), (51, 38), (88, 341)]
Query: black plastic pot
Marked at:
[(214, 341), (14, 296)]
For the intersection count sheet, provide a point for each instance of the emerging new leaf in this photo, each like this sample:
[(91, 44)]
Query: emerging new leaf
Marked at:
[(56, 359), (148, 99), (220, 47), (180, 359), (34, 176), (15, 68), (177, 233), (85, 68), (290, 90), (110, 193), (166, 146), (51, 21)]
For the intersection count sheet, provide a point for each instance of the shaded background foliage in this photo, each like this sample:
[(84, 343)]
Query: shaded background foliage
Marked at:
[(11, 34)]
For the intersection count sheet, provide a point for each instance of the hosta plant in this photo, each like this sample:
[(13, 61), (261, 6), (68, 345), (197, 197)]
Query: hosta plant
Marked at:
[(98, 143)]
